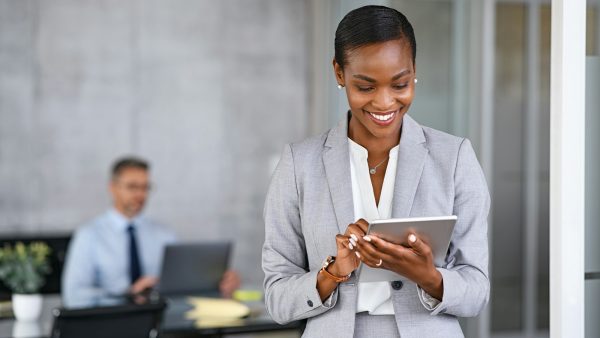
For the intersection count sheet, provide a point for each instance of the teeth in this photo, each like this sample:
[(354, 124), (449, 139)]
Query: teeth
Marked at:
[(383, 117)]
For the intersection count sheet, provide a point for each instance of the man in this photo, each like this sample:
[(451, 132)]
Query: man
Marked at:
[(120, 251)]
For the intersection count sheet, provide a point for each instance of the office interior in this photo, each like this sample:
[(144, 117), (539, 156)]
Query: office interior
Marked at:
[(210, 91)]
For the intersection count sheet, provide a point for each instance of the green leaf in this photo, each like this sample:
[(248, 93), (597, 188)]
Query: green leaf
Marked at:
[(24, 267)]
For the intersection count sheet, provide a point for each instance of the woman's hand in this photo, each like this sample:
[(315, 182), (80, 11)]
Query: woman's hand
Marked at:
[(414, 262), (346, 260)]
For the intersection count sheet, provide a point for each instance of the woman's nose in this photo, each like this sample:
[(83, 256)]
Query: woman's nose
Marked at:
[(383, 100)]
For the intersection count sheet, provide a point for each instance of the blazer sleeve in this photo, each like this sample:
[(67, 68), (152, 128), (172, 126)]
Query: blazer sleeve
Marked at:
[(465, 276), (290, 287)]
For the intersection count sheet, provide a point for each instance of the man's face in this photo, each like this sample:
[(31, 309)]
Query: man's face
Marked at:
[(129, 191)]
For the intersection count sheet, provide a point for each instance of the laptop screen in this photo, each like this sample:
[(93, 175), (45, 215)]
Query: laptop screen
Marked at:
[(193, 268)]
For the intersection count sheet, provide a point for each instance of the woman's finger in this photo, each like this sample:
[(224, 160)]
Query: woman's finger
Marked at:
[(363, 224), (418, 245), (357, 229), (342, 241), (370, 255), (381, 244), (366, 254), (395, 251), (354, 232)]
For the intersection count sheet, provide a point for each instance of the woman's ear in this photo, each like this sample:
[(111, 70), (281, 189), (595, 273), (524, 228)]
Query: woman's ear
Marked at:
[(339, 73)]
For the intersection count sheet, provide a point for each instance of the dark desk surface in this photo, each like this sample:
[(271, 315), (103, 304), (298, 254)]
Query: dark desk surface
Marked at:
[(174, 322)]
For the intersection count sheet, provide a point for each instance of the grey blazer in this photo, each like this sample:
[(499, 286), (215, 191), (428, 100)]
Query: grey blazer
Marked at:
[(310, 201)]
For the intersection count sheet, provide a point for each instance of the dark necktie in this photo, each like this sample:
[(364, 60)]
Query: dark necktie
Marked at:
[(135, 268)]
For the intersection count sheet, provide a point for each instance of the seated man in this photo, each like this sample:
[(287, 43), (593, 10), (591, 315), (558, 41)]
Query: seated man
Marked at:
[(120, 252)]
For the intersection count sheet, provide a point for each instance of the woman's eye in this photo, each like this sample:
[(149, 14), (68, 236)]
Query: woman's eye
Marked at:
[(364, 89), (400, 86)]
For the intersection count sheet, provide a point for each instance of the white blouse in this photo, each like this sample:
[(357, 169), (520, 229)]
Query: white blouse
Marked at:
[(372, 297), (376, 297)]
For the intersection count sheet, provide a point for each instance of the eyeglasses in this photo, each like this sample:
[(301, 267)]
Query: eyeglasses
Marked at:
[(132, 187)]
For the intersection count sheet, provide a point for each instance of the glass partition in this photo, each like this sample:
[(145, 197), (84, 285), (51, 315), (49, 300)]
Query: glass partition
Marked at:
[(592, 175)]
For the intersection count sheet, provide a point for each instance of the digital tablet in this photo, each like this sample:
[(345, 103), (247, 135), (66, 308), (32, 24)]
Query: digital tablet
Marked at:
[(194, 268), (435, 231)]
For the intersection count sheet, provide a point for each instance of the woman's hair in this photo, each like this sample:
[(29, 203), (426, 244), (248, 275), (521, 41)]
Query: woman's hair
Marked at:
[(371, 24)]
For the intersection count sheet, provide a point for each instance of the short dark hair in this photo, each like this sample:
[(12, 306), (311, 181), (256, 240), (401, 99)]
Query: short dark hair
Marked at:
[(371, 24), (126, 163)]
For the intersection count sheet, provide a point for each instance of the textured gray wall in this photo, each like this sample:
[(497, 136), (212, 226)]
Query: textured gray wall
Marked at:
[(209, 91)]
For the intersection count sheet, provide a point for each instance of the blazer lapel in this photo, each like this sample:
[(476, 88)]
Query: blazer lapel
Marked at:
[(412, 154), (336, 159)]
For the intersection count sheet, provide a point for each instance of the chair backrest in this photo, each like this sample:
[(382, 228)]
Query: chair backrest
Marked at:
[(122, 321)]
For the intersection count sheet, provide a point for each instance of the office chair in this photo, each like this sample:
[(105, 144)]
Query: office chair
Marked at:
[(121, 321)]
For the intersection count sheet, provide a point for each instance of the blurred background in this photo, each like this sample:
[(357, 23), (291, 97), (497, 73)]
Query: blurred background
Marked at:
[(210, 91)]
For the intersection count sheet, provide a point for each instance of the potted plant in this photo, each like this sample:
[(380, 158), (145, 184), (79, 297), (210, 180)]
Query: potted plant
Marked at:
[(23, 269)]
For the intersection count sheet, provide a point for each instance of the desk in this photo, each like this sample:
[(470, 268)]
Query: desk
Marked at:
[(174, 322), (9, 327)]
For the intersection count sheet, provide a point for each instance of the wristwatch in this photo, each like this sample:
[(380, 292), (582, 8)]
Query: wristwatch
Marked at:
[(326, 263)]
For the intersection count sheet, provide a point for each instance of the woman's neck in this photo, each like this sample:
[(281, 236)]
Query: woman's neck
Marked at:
[(377, 146)]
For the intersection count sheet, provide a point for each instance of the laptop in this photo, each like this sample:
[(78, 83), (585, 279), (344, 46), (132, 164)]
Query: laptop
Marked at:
[(194, 268)]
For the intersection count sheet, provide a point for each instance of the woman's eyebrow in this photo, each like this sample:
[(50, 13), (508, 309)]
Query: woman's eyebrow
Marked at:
[(394, 78), (401, 74), (364, 77)]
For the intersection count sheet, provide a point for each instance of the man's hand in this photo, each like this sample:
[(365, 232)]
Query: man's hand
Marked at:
[(229, 283), (143, 283)]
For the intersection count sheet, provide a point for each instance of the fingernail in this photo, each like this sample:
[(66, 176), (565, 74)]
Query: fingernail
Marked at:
[(412, 238), (367, 238), (353, 236), (357, 254), (351, 246), (353, 242)]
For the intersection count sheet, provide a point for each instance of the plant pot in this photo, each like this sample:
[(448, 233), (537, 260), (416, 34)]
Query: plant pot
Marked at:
[(27, 329), (27, 307)]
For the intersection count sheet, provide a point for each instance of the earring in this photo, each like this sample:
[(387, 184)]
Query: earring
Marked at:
[(340, 86), (416, 80)]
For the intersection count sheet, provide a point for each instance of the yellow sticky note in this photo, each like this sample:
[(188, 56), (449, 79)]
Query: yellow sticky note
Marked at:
[(247, 295), (216, 308)]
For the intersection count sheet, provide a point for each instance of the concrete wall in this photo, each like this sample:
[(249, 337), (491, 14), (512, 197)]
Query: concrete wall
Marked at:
[(208, 91)]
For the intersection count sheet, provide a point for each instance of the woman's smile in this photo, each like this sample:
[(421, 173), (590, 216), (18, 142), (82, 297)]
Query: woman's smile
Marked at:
[(382, 118)]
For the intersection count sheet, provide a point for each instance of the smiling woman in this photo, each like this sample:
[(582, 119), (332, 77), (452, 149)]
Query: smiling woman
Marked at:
[(379, 81), (378, 163)]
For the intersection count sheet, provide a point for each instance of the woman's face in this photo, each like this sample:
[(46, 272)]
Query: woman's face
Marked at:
[(379, 81)]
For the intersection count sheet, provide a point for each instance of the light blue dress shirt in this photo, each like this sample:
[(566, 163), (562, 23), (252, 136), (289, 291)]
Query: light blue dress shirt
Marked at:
[(97, 263)]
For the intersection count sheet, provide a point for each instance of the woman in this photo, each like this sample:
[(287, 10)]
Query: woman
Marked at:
[(377, 163)]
